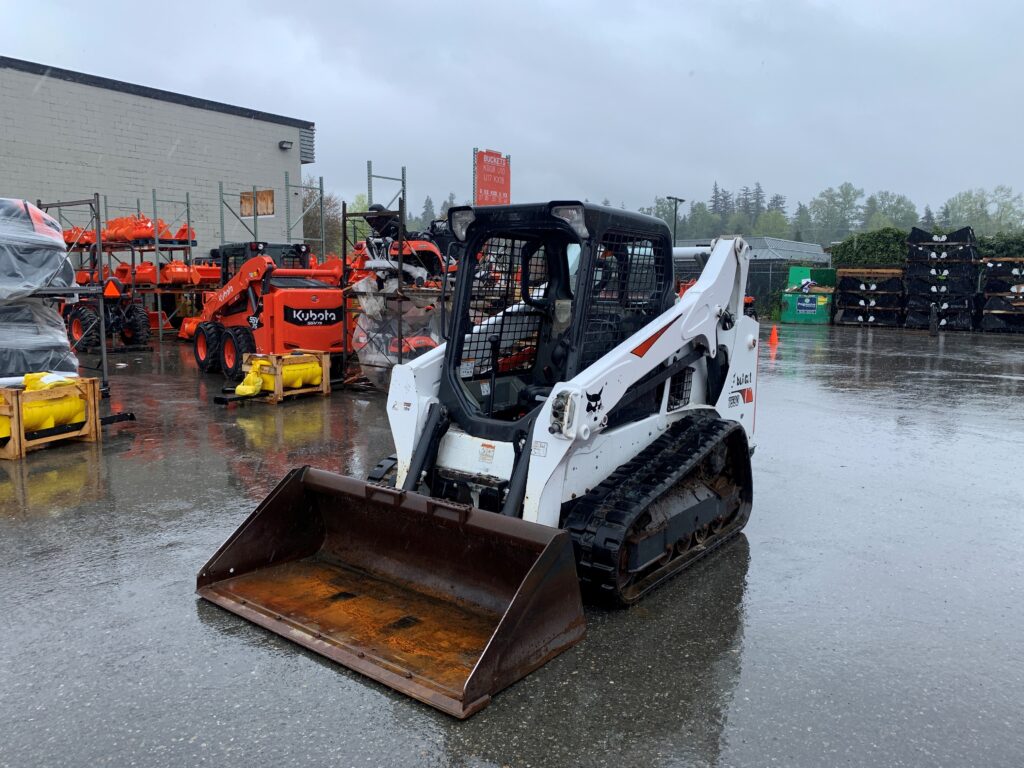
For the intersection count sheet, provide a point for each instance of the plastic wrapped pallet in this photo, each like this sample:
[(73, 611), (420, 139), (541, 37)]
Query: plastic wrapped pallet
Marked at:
[(32, 251), (32, 339)]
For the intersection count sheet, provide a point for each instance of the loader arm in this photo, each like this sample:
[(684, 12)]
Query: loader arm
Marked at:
[(251, 272)]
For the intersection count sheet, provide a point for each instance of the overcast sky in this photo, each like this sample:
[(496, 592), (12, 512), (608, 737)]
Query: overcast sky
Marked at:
[(605, 99)]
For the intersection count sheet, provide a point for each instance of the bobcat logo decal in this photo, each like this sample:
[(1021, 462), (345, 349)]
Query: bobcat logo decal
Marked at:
[(594, 404)]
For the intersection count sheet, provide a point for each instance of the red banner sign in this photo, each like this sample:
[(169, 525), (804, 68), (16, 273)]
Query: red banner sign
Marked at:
[(493, 178)]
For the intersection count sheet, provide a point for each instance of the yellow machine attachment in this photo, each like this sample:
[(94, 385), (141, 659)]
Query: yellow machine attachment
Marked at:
[(443, 602), (47, 414), (293, 376)]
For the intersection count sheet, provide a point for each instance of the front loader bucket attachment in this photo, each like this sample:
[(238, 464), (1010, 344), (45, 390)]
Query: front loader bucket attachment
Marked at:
[(445, 603)]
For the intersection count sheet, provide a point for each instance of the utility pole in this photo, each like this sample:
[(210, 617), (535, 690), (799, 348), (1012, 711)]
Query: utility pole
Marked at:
[(675, 214)]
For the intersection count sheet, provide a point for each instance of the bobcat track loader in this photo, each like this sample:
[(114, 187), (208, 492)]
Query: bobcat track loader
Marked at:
[(583, 426)]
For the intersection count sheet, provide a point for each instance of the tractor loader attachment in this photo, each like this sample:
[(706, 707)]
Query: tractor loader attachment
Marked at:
[(440, 601)]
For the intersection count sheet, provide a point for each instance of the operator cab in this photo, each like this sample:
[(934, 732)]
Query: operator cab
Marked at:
[(231, 256), (554, 288)]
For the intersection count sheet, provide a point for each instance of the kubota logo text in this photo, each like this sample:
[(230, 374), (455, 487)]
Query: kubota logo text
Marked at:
[(312, 316)]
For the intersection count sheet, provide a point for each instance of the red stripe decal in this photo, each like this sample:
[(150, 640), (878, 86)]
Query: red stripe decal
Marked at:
[(645, 347)]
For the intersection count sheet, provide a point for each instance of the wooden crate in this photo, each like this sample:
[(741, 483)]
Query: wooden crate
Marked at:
[(274, 369), (12, 399), (869, 272)]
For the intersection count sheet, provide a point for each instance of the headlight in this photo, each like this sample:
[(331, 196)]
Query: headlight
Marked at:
[(459, 220), (573, 216)]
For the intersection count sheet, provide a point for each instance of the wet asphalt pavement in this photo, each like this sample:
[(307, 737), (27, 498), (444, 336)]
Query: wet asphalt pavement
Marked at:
[(870, 615)]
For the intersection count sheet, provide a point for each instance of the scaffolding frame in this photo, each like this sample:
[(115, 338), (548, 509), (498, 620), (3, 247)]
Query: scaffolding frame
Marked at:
[(254, 230), (370, 176), (183, 213), (160, 247), (318, 202), (73, 292)]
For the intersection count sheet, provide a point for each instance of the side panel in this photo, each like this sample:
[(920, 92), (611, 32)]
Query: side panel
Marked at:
[(305, 319), (592, 462)]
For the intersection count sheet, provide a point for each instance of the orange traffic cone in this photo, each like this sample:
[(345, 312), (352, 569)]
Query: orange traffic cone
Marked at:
[(773, 338)]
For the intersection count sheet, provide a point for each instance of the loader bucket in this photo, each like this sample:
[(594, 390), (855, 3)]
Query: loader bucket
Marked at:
[(440, 601)]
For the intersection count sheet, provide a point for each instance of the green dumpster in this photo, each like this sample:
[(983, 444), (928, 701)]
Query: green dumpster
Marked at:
[(807, 308), (820, 275)]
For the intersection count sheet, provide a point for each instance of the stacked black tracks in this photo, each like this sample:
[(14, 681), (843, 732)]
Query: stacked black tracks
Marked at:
[(684, 496), (942, 270), (869, 296), (1003, 288)]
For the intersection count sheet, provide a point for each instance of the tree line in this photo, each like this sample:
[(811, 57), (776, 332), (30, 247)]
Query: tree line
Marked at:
[(836, 213), (829, 217)]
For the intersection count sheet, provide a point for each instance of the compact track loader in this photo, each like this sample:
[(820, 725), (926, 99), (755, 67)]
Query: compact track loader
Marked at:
[(583, 426)]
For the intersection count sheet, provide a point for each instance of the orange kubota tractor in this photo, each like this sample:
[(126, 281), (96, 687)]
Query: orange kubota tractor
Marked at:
[(268, 308)]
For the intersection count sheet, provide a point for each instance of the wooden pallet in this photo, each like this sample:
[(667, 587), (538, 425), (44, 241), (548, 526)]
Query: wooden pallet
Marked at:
[(869, 272), (12, 400), (274, 369)]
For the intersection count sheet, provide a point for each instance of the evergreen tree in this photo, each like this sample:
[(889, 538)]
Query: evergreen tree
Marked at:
[(928, 219), (726, 206), (428, 214), (945, 217), (803, 224), (745, 202), (869, 211), (716, 200), (449, 203), (777, 203), (757, 200)]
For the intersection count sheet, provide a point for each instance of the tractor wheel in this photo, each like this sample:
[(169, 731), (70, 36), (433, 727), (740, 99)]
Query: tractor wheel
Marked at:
[(135, 329), (234, 345), (206, 345), (83, 327)]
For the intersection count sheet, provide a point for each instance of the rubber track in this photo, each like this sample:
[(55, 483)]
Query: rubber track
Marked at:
[(600, 522)]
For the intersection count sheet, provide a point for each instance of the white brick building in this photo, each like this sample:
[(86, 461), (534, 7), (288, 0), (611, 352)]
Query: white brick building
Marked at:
[(65, 135)]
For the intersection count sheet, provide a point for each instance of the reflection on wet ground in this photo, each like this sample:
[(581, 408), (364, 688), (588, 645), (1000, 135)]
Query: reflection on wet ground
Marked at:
[(869, 616)]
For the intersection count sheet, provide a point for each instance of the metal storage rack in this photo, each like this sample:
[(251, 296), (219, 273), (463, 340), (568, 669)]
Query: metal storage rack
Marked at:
[(92, 204), (159, 247), (317, 203), (354, 227)]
